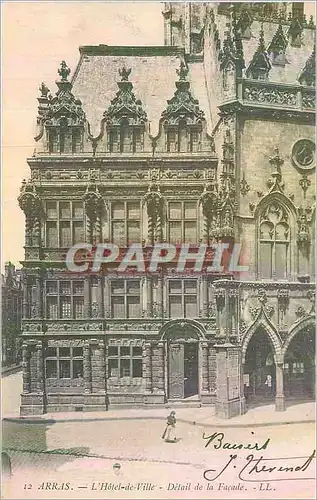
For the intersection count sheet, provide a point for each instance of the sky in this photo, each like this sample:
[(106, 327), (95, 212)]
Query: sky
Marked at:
[(36, 37)]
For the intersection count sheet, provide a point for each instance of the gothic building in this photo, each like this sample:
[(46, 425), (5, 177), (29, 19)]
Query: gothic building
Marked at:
[(11, 314), (208, 138)]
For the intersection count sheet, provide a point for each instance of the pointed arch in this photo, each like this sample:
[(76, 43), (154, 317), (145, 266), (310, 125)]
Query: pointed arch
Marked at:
[(307, 322), (275, 248), (262, 322)]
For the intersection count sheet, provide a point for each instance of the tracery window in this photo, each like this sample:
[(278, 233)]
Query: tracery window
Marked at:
[(274, 242)]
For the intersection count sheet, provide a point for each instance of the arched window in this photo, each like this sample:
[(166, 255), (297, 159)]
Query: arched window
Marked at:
[(274, 242)]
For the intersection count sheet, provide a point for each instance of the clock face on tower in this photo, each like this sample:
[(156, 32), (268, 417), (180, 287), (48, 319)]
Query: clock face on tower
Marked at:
[(303, 154)]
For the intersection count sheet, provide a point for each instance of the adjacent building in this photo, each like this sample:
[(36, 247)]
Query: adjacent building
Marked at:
[(11, 295), (209, 138)]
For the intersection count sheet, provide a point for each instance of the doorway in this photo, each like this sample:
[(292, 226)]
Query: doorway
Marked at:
[(182, 370)]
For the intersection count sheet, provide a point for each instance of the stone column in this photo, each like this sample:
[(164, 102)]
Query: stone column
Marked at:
[(87, 368), (279, 398), (87, 308), (25, 369), (205, 371)]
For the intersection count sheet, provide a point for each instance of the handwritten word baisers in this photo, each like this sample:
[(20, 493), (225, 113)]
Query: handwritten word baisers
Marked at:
[(217, 440), (216, 258)]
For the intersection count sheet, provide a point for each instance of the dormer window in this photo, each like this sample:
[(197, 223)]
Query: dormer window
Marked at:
[(277, 47), (125, 119)]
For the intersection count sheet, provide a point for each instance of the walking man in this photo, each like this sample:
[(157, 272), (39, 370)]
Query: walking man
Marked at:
[(169, 434)]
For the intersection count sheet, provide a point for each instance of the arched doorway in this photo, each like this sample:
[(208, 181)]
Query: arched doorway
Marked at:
[(259, 369), (299, 365), (182, 360)]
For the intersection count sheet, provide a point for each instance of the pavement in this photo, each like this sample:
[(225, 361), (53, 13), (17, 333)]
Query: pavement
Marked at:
[(204, 417), (260, 416)]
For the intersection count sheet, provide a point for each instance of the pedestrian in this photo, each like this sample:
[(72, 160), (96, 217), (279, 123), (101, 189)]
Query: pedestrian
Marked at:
[(169, 434), (268, 385)]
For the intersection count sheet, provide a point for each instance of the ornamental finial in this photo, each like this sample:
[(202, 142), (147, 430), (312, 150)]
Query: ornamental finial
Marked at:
[(63, 71), (44, 90), (182, 72), (124, 73)]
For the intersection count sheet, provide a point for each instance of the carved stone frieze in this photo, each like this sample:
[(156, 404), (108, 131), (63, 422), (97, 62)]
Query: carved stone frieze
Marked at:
[(269, 95)]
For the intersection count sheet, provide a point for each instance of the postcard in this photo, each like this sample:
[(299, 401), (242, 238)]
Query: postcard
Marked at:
[(158, 279)]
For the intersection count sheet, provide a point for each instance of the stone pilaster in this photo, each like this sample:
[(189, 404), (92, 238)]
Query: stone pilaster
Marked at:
[(229, 400), (39, 297), (159, 297), (100, 297), (149, 296), (204, 286), (97, 366), (158, 367), (87, 368), (25, 369), (25, 300), (148, 366), (87, 302), (107, 292), (205, 371), (40, 368)]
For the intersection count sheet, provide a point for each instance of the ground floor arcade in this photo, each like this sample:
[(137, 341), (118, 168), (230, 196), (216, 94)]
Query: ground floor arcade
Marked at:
[(181, 365)]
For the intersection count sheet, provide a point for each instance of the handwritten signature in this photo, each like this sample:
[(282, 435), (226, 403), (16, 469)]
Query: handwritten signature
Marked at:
[(266, 468)]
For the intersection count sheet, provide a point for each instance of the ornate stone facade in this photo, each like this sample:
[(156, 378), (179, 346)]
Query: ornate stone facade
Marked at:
[(207, 139)]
